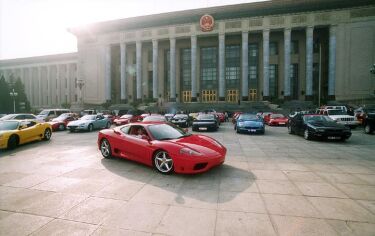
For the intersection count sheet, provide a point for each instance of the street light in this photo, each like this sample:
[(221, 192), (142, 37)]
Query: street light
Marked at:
[(14, 95)]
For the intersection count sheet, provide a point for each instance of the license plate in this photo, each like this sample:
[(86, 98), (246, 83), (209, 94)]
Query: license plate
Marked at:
[(252, 130), (282, 123), (333, 137), (202, 128)]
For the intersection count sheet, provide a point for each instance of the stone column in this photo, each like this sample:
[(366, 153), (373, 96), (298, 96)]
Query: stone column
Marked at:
[(49, 87), (221, 67), (332, 62), (31, 98), (155, 51), (309, 63), (173, 69), (287, 36), (245, 66), (266, 62), (139, 69), (40, 91), (193, 68), (68, 83), (58, 85), (123, 72), (107, 76)]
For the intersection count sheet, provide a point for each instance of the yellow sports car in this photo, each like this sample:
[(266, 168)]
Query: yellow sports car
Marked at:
[(16, 132)]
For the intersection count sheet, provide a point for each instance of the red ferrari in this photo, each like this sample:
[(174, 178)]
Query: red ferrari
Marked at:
[(165, 147), (126, 119), (276, 119), (60, 122)]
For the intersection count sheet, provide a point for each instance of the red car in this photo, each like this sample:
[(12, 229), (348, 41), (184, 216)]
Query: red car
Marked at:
[(60, 122), (162, 146), (235, 116), (221, 116), (276, 119), (126, 119)]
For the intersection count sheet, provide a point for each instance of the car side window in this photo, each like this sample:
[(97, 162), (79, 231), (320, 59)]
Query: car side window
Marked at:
[(19, 117), (125, 129), (29, 117)]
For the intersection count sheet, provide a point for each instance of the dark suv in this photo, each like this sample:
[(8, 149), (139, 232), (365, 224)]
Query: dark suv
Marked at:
[(369, 121)]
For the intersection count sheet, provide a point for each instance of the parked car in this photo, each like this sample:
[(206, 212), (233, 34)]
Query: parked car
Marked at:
[(369, 121), (361, 112), (341, 117), (181, 120), (169, 116), (60, 122), (126, 119), (49, 114), (235, 116), (165, 147), (89, 123), (17, 132), (249, 123), (276, 119), (317, 126), (221, 116), (154, 117), (205, 122), (24, 116)]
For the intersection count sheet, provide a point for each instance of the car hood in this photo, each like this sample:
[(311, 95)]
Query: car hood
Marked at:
[(326, 124), (79, 122), (251, 123)]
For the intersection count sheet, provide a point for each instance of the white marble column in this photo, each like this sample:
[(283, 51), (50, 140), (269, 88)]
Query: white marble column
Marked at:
[(31, 84), (139, 69), (107, 77), (40, 91), (266, 62), (155, 51), (68, 82), (193, 68), (332, 62), (222, 67), (123, 72), (287, 37), (172, 69), (245, 65), (309, 62), (58, 85)]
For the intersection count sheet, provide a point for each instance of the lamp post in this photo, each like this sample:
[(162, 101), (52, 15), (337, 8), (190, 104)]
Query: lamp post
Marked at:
[(14, 95)]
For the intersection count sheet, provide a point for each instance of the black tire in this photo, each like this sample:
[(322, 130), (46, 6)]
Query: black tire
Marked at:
[(62, 127), (160, 161), (306, 134), (12, 142), (90, 127), (105, 148), (108, 125), (367, 129), (47, 134)]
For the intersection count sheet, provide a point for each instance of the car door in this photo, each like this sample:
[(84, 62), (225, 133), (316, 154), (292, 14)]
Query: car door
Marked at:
[(139, 149), (29, 131)]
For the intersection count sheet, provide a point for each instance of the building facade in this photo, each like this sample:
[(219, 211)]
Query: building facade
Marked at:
[(274, 50)]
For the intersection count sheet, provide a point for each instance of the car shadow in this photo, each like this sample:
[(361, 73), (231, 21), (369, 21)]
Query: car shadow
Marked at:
[(23, 147), (205, 187)]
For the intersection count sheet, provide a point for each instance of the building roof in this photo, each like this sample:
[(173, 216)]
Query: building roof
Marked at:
[(38, 59), (254, 9)]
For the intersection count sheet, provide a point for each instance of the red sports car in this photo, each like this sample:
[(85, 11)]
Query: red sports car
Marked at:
[(126, 119), (165, 147), (276, 119), (221, 116), (60, 122)]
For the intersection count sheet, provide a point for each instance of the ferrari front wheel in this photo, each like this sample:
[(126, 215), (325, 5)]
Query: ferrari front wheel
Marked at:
[(163, 162), (105, 148), (12, 142), (47, 134)]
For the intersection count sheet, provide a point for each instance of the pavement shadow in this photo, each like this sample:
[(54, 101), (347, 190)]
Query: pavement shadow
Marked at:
[(23, 147), (204, 187)]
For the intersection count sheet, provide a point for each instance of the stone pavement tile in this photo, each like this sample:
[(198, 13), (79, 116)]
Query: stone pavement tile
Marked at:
[(341, 209), (157, 195), (277, 186), (93, 210), (370, 179), (303, 176), (197, 198), (90, 173), (57, 184), (202, 181), (235, 170), (28, 181), (369, 205), (319, 189), (324, 168), (124, 190), (240, 223), (118, 232), (4, 214), (362, 229), (187, 221), (137, 216), (290, 226), (230, 184), (263, 166), (170, 181), (363, 192), (21, 224), (292, 166), (10, 176), (64, 227), (86, 186), (289, 205), (53, 205), (355, 169), (269, 174), (54, 170), (245, 202), (340, 178), (341, 227)]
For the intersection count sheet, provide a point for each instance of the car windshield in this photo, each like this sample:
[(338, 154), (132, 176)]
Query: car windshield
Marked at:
[(180, 116), (8, 117), (309, 118), (154, 118), (126, 116), (206, 117), (62, 116), (165, 132), (274, 116), (335, 112), (88, 117), (248, 117), (9, 125), (44, 113)]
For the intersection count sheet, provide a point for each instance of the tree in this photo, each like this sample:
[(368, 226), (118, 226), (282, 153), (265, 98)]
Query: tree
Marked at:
[(22, 103), (6, 103)]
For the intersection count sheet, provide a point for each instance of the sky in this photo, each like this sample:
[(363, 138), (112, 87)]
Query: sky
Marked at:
[(39, 27)]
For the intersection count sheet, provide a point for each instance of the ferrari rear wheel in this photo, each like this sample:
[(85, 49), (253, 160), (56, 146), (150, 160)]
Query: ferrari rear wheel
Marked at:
[(163, 162), (47, 134), (105, 148), (12, 142)]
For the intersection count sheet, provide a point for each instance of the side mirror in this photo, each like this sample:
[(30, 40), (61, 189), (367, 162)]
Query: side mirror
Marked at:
[(116, 132)]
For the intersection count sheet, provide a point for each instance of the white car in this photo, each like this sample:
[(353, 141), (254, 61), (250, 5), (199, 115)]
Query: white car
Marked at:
[(341, 117)]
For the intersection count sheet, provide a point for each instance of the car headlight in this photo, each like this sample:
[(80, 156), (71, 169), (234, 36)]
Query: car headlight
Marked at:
[(240, 124), (189, 152)]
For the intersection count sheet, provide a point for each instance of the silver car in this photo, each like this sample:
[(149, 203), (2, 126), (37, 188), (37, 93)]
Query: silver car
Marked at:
[(89, 123)]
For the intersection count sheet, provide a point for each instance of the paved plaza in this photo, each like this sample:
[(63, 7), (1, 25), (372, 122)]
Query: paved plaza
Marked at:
[(276, 184)]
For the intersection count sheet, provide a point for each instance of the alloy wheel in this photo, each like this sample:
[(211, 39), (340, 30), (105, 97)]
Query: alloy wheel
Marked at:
[(163, 162), (105, 148), (47, 134)]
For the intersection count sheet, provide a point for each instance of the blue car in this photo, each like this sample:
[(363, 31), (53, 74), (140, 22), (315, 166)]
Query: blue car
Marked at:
[(89, 123), (249, 123)]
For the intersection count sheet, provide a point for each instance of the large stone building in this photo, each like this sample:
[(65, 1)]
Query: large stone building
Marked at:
[(273, 50)]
